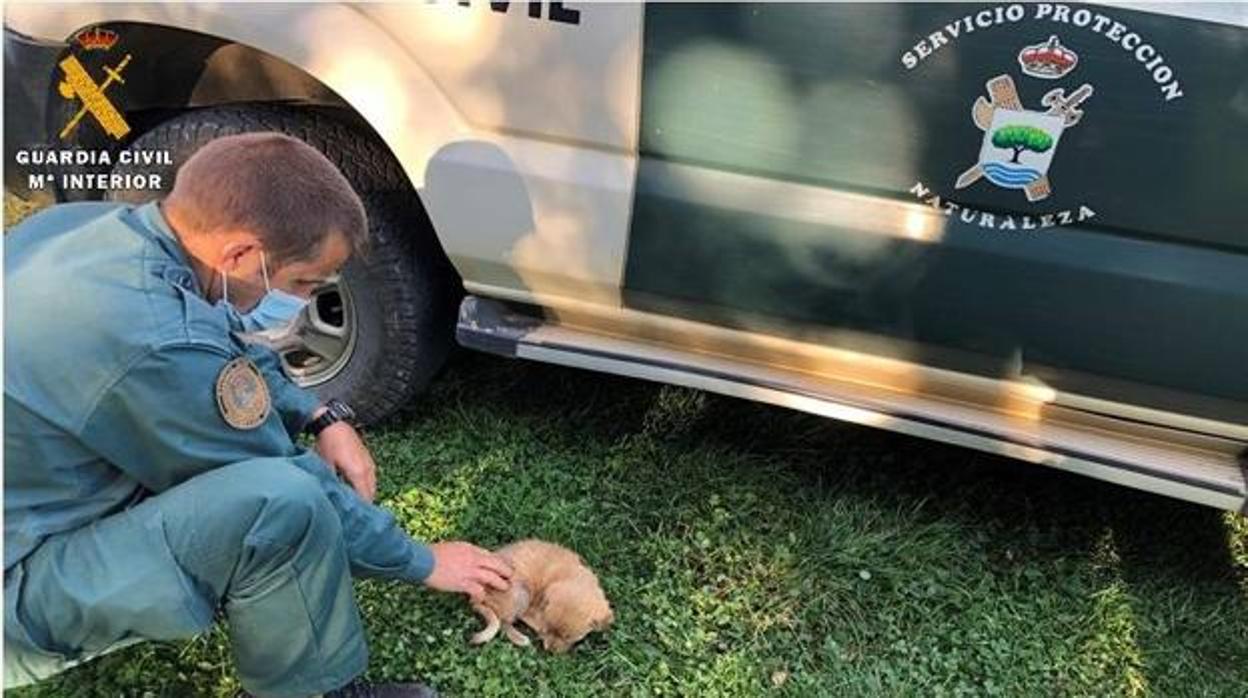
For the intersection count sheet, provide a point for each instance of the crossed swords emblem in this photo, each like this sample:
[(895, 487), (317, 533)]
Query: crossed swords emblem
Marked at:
[(79, 84), (1003, 95)]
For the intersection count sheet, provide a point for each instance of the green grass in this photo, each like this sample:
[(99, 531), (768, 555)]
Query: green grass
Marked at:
[(750, 550)]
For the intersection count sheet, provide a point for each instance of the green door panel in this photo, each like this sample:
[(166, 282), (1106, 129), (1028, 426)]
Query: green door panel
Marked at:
[(800, 169)]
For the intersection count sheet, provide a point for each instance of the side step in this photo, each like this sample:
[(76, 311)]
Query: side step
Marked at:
[(1195, 467)]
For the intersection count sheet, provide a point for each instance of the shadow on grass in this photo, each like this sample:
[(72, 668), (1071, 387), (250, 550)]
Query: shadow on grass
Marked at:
[(748, 548), (827, 458), (831, 458), (1138, 571)]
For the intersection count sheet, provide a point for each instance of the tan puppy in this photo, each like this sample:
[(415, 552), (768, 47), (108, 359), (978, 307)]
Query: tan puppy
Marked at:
[(552, 591)]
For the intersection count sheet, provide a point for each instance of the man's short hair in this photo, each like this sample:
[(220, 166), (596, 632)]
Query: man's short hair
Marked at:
[(276, 186)]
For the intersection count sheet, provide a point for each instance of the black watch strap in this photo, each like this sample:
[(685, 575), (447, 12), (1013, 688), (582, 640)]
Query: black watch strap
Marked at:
[(335, 411)]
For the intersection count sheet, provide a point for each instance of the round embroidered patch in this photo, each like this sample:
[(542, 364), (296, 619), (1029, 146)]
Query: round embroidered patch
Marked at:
[(242, 394)]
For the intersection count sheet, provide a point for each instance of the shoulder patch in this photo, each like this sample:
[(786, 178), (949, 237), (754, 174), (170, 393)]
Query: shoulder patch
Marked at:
[(242, 394)]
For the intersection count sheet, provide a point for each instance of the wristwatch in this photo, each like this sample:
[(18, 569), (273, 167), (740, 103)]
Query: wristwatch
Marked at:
[(335, 411)]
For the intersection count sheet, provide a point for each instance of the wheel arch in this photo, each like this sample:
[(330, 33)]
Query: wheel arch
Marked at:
[(318, 54)]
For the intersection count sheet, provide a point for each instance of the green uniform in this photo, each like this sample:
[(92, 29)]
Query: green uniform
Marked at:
[(134, 509)]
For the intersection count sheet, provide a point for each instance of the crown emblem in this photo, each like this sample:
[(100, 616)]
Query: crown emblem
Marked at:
[(96, 39), (1049, 60)]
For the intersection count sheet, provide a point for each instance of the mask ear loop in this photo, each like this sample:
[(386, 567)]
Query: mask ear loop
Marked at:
[(264, 269), (225, 287)]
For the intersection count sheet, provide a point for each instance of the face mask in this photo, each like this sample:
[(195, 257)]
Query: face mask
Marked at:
[(276, 311)]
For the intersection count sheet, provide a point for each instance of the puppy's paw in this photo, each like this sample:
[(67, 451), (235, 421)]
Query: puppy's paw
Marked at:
[(517, 638), (492, 624)]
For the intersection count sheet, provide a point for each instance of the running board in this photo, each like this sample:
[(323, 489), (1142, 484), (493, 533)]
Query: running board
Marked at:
[(1195, 467)]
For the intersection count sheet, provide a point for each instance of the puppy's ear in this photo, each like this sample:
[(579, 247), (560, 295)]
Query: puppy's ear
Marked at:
[(537, 603), (520, 595)]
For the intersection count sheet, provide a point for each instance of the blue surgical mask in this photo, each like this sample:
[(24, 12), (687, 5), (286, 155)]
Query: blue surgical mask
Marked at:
[(276, 310)]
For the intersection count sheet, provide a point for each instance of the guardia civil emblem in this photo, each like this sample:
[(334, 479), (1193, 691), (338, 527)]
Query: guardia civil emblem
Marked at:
[(78, 85), (242, 394), (1019, 144)]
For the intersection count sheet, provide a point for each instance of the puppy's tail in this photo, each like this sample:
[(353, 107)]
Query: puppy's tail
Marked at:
[(492, 624)]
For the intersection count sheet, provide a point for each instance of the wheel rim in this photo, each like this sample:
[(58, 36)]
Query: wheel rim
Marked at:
[(321, 342)]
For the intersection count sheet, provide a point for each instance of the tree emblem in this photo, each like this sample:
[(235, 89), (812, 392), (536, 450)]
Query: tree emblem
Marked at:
[(1008, 126), (1018, 138)]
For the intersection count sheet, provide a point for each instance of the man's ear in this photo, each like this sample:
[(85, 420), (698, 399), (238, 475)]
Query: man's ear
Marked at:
[(236, 249)]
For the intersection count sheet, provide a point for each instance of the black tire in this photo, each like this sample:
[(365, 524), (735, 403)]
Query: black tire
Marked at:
[(403, 295)]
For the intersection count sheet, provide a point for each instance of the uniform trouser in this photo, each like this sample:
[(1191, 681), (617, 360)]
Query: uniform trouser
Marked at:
[(257, 538)]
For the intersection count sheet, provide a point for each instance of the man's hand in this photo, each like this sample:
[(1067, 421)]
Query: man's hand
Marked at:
[(465, 568), (341, 446)]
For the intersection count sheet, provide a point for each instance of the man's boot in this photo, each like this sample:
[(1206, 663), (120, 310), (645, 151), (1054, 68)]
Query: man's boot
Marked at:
[(361, 689)]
